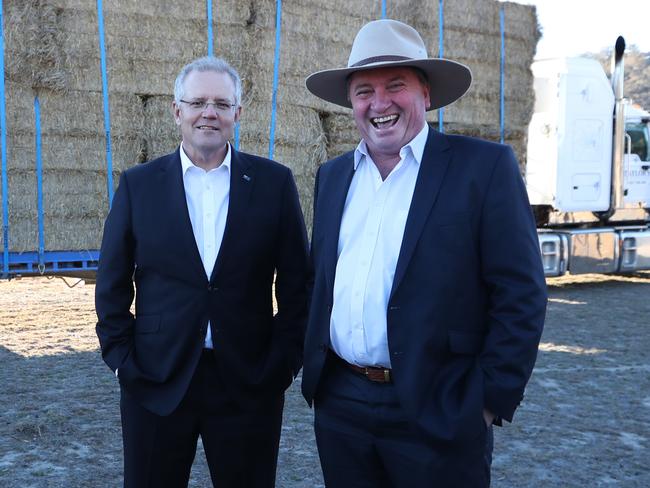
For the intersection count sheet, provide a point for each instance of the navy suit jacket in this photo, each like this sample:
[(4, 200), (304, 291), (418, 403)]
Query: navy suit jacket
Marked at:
[(148, 239), (468, 300)]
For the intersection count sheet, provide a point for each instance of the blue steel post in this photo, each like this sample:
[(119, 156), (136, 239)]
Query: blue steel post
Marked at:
[(502, 105), (210, 18), (276, 69), (383, 9), (3, 142), (208, 5), (441, 20), (39, 183), (107, 114)]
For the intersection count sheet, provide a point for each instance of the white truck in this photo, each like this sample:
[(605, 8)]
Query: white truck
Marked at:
[(588, 169)]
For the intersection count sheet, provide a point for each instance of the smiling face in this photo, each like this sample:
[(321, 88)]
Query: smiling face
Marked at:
[(205, 131), (389, 107)]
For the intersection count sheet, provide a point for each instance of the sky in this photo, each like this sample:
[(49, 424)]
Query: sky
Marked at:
[(573, 27)]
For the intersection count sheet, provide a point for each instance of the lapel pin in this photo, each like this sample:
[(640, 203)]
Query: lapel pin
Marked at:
[(247, 178)]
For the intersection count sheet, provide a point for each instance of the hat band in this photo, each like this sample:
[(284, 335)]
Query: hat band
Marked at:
[(378, 59)]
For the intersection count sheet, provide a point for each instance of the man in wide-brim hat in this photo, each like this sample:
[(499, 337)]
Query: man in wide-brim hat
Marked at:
[(429, 295)]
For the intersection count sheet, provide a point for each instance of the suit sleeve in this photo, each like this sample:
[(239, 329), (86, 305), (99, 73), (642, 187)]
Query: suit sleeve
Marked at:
[(114, 290), (311, 276), (512, 270), (292, 272)]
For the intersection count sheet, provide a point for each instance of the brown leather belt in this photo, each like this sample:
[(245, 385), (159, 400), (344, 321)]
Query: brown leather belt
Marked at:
[(373, 373)]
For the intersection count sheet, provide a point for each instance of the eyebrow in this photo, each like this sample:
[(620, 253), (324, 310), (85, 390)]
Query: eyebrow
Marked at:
[(205, 99), (367, 83)]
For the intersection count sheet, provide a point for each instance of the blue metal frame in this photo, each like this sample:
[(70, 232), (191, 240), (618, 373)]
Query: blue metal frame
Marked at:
[(441, 22), (3, 142), (208, 8), (53, 262), (210, 20), (502, 105), (276, 69), (107, 114), (39, 183)]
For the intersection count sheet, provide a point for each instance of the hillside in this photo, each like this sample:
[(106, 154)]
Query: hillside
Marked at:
[(637, 74)]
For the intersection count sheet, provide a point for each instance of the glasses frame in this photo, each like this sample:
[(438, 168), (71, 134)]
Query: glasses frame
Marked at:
[(205, 104)]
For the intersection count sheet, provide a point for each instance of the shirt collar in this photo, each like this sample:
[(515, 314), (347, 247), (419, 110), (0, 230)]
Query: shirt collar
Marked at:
[(415, 145), (186, 162)]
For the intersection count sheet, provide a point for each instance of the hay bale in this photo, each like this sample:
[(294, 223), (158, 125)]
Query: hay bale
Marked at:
[(52, 51), (34, 45)]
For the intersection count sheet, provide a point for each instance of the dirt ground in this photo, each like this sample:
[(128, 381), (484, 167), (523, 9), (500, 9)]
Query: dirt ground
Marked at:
[(585, 420)]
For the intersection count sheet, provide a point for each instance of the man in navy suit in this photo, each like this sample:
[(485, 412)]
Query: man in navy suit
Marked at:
[(429, 295), (204, 233)]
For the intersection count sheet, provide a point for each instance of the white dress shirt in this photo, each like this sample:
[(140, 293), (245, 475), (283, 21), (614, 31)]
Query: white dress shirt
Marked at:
[(372, 228), (206, 193)]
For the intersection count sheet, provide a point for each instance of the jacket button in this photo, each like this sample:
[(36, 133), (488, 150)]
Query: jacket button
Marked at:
[(322, 347)]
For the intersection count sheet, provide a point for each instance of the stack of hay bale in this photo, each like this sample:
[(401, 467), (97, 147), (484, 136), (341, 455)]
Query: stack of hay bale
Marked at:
[(52, 51)]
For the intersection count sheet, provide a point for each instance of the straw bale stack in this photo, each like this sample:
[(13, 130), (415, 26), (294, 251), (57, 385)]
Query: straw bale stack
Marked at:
[(52, 51)]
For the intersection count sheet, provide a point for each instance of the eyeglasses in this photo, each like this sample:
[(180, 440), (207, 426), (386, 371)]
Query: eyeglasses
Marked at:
[(221, 107)]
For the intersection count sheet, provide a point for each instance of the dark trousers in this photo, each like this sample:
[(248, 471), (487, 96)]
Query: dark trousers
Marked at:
[(365, 441), (241, 446)]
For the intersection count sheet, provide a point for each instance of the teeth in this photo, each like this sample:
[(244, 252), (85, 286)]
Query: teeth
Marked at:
[(386, 118)]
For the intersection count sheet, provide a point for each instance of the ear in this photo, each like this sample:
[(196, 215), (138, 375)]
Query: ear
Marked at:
[(237, 113), (427, 98), (176, 109)]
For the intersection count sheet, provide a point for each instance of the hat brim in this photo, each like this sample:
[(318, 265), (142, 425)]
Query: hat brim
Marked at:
[(448, 80)]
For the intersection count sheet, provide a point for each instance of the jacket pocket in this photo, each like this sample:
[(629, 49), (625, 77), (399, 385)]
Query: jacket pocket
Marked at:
[(465, 342), (147, 324)]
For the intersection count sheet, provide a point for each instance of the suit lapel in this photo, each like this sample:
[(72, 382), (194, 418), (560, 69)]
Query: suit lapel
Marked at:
[(242, 179), (336, 186), (434, 164), (177, 213)]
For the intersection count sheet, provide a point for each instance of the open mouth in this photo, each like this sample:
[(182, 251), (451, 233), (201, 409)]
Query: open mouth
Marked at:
[(385, 121), (206, 127)]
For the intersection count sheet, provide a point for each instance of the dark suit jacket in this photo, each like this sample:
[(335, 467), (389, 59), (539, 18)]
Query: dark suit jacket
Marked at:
[(148, 239), (467, 306)]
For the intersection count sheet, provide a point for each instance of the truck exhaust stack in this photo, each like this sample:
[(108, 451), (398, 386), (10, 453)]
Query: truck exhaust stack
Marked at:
[(618, 72)]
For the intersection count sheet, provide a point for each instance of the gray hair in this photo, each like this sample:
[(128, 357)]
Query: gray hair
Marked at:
[(207, 63)]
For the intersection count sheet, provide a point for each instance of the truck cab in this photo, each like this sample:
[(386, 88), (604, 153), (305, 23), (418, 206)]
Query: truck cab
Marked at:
[(588, 169)]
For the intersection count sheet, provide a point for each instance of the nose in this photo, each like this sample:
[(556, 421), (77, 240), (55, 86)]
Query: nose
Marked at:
[(209, 112), (381, 100)]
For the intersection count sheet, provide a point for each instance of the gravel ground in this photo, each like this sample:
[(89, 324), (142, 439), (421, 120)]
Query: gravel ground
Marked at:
[(585, 421)]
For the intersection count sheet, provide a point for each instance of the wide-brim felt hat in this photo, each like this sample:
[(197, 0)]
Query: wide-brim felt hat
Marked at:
[(389, 43)]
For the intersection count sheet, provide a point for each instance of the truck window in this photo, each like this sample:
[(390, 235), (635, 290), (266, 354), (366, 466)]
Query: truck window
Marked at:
[(639, 135)]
